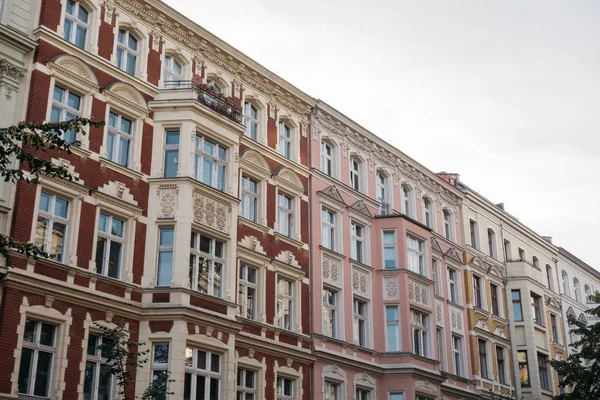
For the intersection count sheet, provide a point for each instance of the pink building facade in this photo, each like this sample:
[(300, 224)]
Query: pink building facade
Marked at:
[(384, 230)]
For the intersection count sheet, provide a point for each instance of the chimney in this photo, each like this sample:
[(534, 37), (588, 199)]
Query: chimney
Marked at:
[(500, 206), (547, 239), (451, 178)]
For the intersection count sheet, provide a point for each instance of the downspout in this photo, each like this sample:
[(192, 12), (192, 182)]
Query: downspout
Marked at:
[(310, 246)]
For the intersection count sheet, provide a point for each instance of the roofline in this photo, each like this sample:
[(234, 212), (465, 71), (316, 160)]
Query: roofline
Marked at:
[(571, 257)]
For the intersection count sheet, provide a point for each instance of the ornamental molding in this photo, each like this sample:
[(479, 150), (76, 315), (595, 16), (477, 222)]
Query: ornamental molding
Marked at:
[(361, 282), (390, 288), (456, 319), (290, 181), (426, 385), (333, 192), (287, 257), (252, 243), (101, 195), (167, 198), (453, 254), (439, 313), (75, 69), (109, 10), (10, 70), (361, 208), (418, 293), (331, 271), (118, 190), (254, 162), (128, 96), (499, 331), (435, 245), (210, 211)]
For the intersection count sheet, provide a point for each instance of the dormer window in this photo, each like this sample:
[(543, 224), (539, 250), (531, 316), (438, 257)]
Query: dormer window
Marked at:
[(127, 51), (285, 140)]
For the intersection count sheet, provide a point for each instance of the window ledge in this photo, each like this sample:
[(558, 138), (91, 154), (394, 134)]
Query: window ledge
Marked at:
[(281, 237), (361, 264), (457, 305), (499, 318), (481, 310), (539, 326), (134, 175), (252, 224), (332, 252)]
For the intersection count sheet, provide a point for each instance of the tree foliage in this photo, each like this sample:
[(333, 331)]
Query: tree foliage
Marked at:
[(581, 370), (20, 146)]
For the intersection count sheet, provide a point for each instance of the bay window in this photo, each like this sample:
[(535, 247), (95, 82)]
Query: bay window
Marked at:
[(171, 153), (206, 264), (202, 375), (166, 238), (389, 250), (210, 162)]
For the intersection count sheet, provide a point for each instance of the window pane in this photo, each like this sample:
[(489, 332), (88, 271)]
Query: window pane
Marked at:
[(68, 29), (391, 313), (214, 389), (100, 254), (201, 364), (42, 378), (61, 207), (83, 14), (165, 261), (131, 61), (114, 260), (200, 387), (29, 334), (88, 380), (104, 383), (71, 7), (57, 240), (121, 36), (215, 362), (80, 34), (133, 42), (123, 158), (47, 334), (172, 137), (171, 163), (25, 370), (161, 353), (74, 101), (117, 227), (166, 236), (120, 55)]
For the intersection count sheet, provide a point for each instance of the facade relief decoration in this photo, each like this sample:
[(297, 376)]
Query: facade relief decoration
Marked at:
[(75, 69), (167, 197), (210, 212), (361, 284), (118, 190), (129, 96), (482, 324), (454, 255), (439, 313), (331, 270), (361, 208), (287, 257), (252, 243), (390, 288), (333, 193), (456, 319), (500, 332), (435, 245), (418, 293)]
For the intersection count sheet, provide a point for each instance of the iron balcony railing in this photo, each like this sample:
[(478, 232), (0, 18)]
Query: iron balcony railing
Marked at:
[(209, 98)]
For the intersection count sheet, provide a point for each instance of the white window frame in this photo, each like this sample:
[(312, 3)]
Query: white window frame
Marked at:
[(118, 134), (200, 155), (357, 318), (441, 347), (36, 347), (52, 219), (331, 312), (168, 71), (110, 239), (195, 252), (457, 359), (484, 365), (280, 387), (243, 285), (421, 330), (283, 210), (395, 324), (383, 193), (389, 245), (492, 246), (329, 229), (436, 271), (65, 109), (285, 297), (98, 361), (75, 22), (428, 212), (358, 247), (363, 393), (284, 141), (482, 294), (453, 284), (248, 197), (194, 371), (327, 158), (448, 225), (420, 252), (242, 384), (356, 174), (408, 200), (250, 120), (332, 390), (127, 51), (164, 248)]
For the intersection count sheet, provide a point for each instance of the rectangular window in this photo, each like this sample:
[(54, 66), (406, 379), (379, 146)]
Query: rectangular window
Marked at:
[(246, 384), (251, 121), (247, 295), (285, 214), (516, 301), (98, 381), (536, 308), (160, 359), (171, 153), (330, 312), (109, 246), (396, 396), (165, 256), (37, 358), (66, 106), (477, 291), (501, 365), (328, 229), (392, 323), (285, 140), (355, 174), (389, 250), (523, 368), (118, 139), (495, 301), (249, 198), (326, 159), (76, 23), (457, 355), (521, 254), (420, 333), (285, 388), (360, 322), (332, 391), (452, 285), (473, 233), (210, 162), (51, 227), (437, 277), (206, 264), (363, 394), (285, 304), (507, 250), (483, 359), (416, 255), (439, 336), (202, 375), (357, 237), (554, 328)]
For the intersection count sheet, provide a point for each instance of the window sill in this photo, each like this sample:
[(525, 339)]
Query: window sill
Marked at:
[(281, 237), (134, 175), (361, 264), (481, 310), (450, 302), (332, 252), (252, 224)]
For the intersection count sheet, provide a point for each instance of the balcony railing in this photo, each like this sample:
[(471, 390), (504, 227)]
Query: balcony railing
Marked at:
[(209, 98)]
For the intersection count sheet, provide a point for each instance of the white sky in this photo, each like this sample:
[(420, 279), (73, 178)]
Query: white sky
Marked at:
[(503, 92)]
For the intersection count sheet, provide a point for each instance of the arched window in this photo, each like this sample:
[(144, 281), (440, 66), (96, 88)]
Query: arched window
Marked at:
[(448, 225), (383, 197), (536, 262), (491, 235), (577, 289), (588, 293), (565, 282), (285, 139), (427, 212), (407, 200), (549, 277), (327, 157), (127, 51), (355, 173), (212, 84), (172, 72), (251, 120), (76, 23)]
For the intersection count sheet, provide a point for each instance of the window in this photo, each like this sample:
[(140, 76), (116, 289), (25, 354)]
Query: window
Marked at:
[(249, 198), (439, 336), (477, 298), (285, 140), (98, 381), (448, 228), (213, 85), (473, 233), (535, 308), (76, 23), (206, 264), (491, 243), (332, 391), (360, 322), (507, 251), (389, 249), (452, 285), (165, 256), (285, 388), (357, 249), (247, 291), (588, 293), (577, 289), (37, 358), (521, 254), (427, 212), (437, 277), (495, 301), (523, 368), (51, 227), (171, 153), (416, 255), (501, 365), (118, 140), (210, 162), (172, 72), (516, 301), (246, 384), (66, 106), (109, 246), (251, 120), (326, 158), (330, 312), (382, 194), (457, 355), (392, 323), (396, 396), (363, 394), (285, 214), (536, 262), (554, 328), (565, 282), (202, 375), (355, 174), (483, 359), (420, 330), (549, 277), (285, 304), (328, 229), (160, 360), (543, 370), (407, 200), (127, 51)]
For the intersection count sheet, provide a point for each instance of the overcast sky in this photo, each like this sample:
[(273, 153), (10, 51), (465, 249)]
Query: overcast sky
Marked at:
[(505, 93)]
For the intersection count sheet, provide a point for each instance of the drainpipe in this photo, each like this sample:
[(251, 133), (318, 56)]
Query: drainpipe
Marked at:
[(310, 247)]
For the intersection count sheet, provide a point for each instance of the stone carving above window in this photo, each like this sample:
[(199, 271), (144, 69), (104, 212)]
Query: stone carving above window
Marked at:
[(456, 319), (418, 293), (167, 196), (331, 271), (390, 288), (210, 212), (361, 282)]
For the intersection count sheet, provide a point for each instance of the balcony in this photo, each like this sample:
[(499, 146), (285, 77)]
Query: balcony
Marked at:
[(208, 98)]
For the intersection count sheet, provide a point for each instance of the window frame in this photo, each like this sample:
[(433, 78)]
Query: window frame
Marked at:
[(65, 109), (98, 360), (389, 245), (201, 156), (284, 396), (331, 325), (127, 51), (457, 359), (524, 365), (478, 291), (253, 197), (52, 219), (242, 387), (171, 148), (358, 242), (408, 200), (395, 324), (428, 212), (326, 159), (420, 330), (110, 238), (289, 212), (448, 225), (421, 253), (501, 365), (453, 284), (473, 233), (285, 141), (496, 299), (194, 371), (492, 249), (356, 170), (165, 249), (329, 229), (515, 302), (537, 312), (280, 297), (383, 194), (357, 318), (75, 22), (196, 252), (554, 328), (119, 134), (332, 390), (168, 70), (37, 347), (482, 348), (243, 285)]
